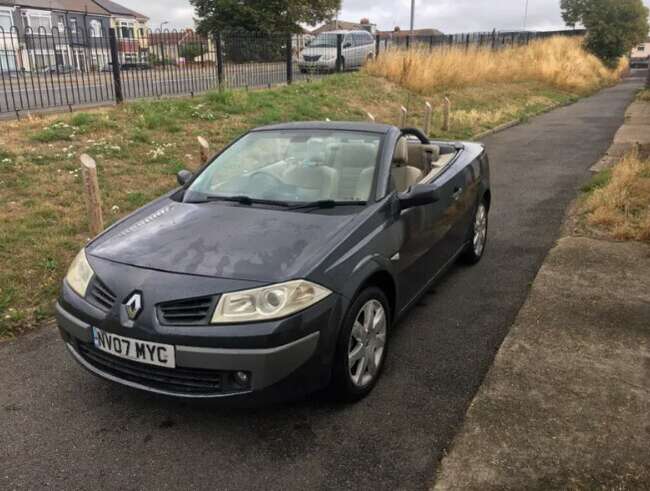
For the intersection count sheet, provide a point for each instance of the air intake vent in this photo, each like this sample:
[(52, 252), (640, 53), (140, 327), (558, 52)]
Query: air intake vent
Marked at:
[(101, 296), (192, 312)]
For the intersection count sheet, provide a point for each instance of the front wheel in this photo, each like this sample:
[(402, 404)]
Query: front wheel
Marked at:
[(362, 345), (476, 247)]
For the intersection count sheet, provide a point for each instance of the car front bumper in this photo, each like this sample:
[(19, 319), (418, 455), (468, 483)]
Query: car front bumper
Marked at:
[(317, 65), (276, 372)]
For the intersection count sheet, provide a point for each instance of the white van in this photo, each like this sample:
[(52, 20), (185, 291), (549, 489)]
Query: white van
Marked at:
[(320, 54)]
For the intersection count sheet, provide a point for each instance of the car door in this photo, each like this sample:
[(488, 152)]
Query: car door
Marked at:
[(432, 234)]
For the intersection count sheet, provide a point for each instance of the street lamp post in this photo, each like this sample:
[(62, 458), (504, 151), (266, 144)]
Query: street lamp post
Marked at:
[(412, 15), (526, 15)]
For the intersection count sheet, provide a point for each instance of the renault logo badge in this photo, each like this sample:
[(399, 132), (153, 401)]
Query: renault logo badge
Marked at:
[(133, 306)]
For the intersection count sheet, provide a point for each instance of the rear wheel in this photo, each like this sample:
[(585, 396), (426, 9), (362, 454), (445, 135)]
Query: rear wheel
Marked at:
[(362, 345), (476, 247)]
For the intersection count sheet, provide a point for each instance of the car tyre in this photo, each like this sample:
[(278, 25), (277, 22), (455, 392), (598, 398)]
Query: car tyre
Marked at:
[(477, 235), (362, 346)]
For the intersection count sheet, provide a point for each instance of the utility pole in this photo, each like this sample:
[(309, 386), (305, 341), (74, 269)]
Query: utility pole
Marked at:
[(412, 15), (526, 16)]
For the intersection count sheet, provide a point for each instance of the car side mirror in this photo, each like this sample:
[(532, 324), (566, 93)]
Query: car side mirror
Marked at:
[(183, 177), (347, 45), (419, 195)]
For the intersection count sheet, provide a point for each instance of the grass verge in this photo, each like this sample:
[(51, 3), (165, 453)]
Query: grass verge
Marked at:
[(616, 203), (140, 146)]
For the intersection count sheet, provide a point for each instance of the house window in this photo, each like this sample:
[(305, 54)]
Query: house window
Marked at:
[(6, 21), (7, 60), (38, 20), (127, 29), (95, 29), (642, 48), (60, 23), (73, 26)]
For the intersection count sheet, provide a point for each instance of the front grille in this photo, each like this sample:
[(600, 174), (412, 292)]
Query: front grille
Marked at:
[(190, 381), (191, 312), (101, 296), (311, 58)]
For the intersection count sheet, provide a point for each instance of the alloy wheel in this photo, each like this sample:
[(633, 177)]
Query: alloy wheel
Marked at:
[(367, 343), (480, 230)]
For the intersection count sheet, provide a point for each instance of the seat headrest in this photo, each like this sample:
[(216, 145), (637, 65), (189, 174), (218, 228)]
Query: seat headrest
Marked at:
[(401, 155), (356, 155)]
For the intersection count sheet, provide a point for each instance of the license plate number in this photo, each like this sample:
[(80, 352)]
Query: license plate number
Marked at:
[(162, 355)]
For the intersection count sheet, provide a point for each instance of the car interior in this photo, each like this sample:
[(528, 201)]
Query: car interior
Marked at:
[(346, 171)]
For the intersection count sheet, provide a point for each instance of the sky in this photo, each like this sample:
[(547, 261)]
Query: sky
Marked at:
[(450, 16)]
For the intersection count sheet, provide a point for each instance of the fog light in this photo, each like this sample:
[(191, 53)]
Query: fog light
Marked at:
[(242, 378)]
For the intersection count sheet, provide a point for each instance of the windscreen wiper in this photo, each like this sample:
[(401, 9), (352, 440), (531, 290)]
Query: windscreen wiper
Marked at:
[(326, 203), (246, 200)]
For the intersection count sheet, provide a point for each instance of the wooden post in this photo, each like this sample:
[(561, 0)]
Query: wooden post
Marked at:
[(91, 191), (371, 118), (446, 110), (403, 116), (204, 149), (428, 110)]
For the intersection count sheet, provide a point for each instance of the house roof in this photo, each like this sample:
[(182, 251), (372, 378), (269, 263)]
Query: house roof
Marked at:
[(117, 9), (341, 25), (70, 5), (408, 32), (83, 6)]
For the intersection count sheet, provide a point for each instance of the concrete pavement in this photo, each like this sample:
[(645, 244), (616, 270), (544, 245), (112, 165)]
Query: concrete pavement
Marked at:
[(61, 427), (567, 401)]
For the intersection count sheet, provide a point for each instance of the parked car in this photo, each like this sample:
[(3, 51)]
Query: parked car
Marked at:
[(320, 55), (59, 69), (280, 267)]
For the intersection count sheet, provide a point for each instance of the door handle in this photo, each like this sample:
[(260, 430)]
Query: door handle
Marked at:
[(457, 193)]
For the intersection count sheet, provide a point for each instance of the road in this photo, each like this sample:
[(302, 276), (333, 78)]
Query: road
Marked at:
[(63, 428)]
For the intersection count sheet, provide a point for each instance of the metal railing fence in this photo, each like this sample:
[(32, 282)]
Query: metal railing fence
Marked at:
[(64, 68)]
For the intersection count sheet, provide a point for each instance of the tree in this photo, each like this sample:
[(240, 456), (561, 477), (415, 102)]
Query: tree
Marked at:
[(265, 16), (191, 51), (614, 27)]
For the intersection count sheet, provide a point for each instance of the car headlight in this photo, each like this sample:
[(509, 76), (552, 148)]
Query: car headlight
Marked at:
[(269, 302), (79, 274)]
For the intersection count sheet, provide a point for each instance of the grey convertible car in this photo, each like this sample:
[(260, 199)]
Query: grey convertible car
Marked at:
[(280, 267)]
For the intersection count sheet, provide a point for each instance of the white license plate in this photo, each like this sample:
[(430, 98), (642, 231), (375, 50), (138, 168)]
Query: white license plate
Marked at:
[(162, 355)]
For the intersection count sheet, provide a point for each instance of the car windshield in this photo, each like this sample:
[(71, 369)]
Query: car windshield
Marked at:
[(325, 40), (292, 166)]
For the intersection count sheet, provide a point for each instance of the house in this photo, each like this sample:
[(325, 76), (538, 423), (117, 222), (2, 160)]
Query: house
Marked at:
[(35, 34), (337, 25), (131, 29), (640, 55)]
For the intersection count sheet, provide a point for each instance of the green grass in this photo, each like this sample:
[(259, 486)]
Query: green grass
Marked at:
[(598, 181), (140, 146)]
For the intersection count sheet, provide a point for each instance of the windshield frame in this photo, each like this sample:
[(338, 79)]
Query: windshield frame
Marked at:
[(373, 197)]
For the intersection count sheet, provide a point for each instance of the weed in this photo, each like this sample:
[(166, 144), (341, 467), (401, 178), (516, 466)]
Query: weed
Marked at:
[(598, 181)]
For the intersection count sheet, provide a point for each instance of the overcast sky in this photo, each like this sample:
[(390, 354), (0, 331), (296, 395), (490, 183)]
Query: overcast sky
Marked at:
[(447, 15)]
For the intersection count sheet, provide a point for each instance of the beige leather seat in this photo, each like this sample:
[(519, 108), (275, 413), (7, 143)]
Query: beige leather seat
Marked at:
[(423, 156), (364, 185), (319, 182), (351, 161), (404, 175)]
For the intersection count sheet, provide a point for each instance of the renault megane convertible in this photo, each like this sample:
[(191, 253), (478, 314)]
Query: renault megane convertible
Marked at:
[(280, 267)]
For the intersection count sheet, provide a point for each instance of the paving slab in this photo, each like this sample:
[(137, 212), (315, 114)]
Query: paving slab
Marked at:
[(567, 402)]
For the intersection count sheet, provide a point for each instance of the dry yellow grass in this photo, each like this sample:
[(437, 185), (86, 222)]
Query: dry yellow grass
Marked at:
[(621, 207), (558, 62)]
